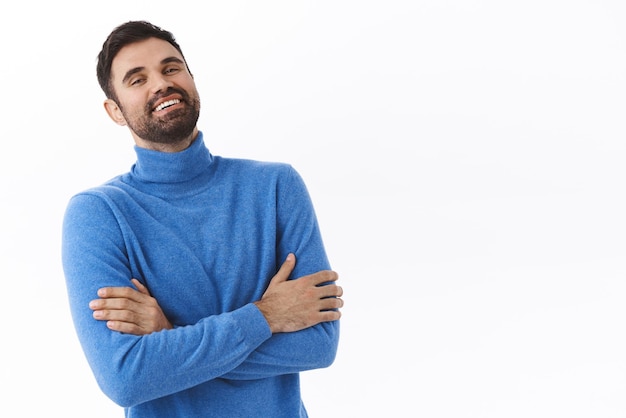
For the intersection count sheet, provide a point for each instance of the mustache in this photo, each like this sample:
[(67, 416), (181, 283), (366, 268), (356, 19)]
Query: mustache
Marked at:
[(170, 90)]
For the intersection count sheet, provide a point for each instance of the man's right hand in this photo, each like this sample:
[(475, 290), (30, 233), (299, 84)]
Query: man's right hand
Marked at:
[(128, 310), (293, 305)]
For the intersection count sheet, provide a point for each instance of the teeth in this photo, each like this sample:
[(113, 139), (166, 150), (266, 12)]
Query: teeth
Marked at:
[(166, 104)]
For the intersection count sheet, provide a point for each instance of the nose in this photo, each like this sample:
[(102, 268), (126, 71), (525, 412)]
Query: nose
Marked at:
[(160, 83)]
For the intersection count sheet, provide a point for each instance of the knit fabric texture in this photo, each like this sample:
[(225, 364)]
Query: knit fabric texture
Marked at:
[(205, 234)]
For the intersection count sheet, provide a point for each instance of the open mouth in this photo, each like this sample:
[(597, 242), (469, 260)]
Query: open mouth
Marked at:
[(166, 104)]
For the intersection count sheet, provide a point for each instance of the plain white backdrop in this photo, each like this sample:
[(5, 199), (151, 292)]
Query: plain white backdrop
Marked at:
[(466, 159)]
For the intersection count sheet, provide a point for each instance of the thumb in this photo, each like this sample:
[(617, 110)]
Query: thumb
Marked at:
[(285, 269), (141, 288)]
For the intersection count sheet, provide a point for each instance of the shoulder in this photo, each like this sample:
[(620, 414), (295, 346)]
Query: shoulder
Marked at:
[(253, 165), (98, 197), (256, 169)]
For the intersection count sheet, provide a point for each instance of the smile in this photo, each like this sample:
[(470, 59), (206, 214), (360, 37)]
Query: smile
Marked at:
[(166, 104)]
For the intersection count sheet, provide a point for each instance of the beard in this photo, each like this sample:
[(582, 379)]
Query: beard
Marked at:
[(172, 128)]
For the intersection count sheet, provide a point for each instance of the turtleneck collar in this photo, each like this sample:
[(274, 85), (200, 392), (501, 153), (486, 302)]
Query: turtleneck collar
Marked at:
[(176, 167)]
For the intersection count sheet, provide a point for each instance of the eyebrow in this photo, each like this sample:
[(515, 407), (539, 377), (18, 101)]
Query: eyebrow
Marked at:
[(135, 70)]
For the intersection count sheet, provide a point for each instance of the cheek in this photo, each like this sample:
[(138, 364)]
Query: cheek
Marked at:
[(134, 106), (189, 86)]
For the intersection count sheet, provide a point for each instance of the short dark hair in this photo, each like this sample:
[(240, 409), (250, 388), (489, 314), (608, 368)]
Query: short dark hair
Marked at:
[(125, 34)]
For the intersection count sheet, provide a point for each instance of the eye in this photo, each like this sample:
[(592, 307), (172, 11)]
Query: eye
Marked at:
[(171, 70), (136, 81)]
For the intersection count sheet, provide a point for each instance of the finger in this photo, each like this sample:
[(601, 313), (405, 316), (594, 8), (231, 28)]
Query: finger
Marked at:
[(330, 290), (96, 304), (110, 303), (124, 292), (115, 315), (140, 287), (124, 327), (324, 277), (115, 304), (285, 269), (328, 316), (330, 303)]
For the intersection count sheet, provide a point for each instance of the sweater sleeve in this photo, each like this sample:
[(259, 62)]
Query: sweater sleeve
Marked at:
[(134, 369), (298, 232)]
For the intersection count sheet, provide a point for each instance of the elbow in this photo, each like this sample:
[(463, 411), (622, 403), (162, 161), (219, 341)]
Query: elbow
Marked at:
[(123, 395), (329, 358), (125, 387), (122, 373), (329, 344)]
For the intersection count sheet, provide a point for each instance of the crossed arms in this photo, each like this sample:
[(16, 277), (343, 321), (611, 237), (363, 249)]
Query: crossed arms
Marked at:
[(287, 305), (185, 331)]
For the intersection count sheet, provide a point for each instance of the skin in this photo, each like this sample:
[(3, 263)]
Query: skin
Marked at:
[(288, 305), (145, 74), (128, 310), (142, 74), (292, 305)]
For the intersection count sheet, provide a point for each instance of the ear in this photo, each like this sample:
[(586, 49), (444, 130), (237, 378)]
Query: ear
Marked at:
[(114, 112)]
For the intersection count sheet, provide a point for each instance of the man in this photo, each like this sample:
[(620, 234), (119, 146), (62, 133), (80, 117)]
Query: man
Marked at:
[(198, 285)]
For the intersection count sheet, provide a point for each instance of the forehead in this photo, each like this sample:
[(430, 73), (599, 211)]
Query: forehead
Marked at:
[(143, 54)]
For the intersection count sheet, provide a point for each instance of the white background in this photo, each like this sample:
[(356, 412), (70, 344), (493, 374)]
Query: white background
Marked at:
[(467, 163)]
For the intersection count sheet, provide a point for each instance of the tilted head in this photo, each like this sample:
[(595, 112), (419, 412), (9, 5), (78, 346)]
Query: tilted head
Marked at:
[(125, 34), (149, 87)]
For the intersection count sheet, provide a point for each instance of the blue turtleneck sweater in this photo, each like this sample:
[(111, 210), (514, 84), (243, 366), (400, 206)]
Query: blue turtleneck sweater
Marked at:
[(205, 234)]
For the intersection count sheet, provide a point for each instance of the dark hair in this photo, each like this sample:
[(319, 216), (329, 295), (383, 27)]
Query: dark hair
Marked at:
[(125, 34)]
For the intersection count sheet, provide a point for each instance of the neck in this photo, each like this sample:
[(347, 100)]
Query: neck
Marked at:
[(174, 147)]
